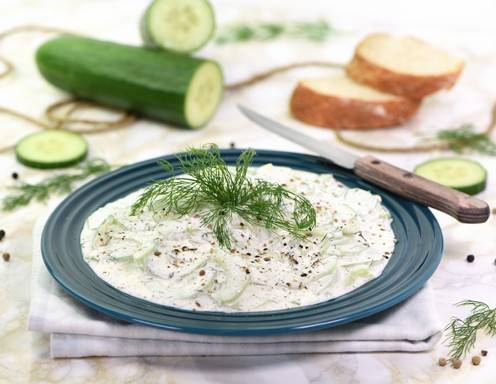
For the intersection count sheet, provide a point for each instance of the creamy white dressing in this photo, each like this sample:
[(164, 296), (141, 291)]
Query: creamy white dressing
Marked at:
[(178, 262)]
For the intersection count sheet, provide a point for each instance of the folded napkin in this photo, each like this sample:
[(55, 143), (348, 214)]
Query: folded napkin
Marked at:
[(78, 331)]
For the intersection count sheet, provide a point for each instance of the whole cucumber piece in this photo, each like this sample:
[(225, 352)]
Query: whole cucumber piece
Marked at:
[(154, 83)]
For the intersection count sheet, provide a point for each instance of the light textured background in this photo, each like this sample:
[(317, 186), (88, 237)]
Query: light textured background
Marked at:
[(466, 28)]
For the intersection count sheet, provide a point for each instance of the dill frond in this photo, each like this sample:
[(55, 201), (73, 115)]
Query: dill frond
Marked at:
[(317, 31), (210, 188), (23, 193), (466, 138), (462, 334)]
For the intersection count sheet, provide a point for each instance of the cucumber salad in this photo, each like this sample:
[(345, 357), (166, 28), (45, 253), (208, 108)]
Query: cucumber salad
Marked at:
[(177, 261)]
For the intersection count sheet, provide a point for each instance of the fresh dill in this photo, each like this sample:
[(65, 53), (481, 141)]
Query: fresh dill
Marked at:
[(317, 31), (216, 193), (466, 138), (463, 333), (23, 193)]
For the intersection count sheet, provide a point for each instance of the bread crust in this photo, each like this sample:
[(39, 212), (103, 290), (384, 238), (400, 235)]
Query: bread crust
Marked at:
[(336, 112), (401, 84)]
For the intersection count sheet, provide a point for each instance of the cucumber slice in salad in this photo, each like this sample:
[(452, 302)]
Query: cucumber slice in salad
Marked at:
[(233, 284), (459, 173), (105, 230), (51, 149), (178, 25)]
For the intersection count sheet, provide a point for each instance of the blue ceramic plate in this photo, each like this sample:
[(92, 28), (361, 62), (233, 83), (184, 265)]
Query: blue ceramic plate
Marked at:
[(415, 258)]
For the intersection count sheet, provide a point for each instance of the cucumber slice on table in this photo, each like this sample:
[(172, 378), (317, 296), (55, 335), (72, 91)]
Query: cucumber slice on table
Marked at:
[(178, 25), (51, 149), (155, 83), (455, 172)]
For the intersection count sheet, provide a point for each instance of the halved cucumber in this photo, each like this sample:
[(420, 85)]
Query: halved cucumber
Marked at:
[(51, 149), (455, 172), (155, 83), (178, 25)]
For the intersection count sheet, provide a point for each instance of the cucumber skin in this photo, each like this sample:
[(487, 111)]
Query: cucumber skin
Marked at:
[(52, 165), (152, 82), (473, 189), (149, 41)]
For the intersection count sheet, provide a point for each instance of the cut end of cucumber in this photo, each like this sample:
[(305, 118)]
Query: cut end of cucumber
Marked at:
[(178, 25), (462, 174), (51, 149), (204, 94)]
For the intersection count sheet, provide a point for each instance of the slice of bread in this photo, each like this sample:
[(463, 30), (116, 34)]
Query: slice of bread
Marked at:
[(340, 103), (403, 66)]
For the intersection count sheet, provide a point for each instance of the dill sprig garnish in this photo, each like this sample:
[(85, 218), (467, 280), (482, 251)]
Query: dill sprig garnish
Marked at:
[(217, 193), (463, 333), (24, 193), (310, 30), (466, 138)]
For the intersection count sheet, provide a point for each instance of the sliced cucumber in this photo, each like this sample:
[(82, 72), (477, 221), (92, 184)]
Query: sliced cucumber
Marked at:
[(178, 25), (193, 266), (105, 230), (144, 252), (455, 172), (51, 149), (358, 274), (233, 285), (329, 269)]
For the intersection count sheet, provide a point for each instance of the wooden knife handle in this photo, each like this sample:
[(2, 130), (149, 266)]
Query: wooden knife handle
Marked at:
[(463, 207)]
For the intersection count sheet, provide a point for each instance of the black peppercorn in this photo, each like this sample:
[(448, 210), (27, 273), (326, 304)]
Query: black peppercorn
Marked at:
[(456, 363), (470, 258), (232, 145), (484, 352), (15, 175), (2, 234)]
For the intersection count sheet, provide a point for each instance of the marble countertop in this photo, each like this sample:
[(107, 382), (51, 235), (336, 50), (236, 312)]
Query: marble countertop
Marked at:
[(24, 355)]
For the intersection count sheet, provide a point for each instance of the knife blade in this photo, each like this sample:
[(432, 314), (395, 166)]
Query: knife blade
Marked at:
[(331, 152), (464, 208)]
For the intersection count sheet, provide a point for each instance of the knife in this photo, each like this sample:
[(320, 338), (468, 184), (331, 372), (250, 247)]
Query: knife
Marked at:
[(463, 207)]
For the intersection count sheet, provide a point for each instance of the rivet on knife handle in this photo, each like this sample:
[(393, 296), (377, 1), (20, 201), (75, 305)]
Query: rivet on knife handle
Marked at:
[(464, 208)]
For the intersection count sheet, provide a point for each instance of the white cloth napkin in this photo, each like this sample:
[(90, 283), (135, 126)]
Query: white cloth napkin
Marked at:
[(78, 331)]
